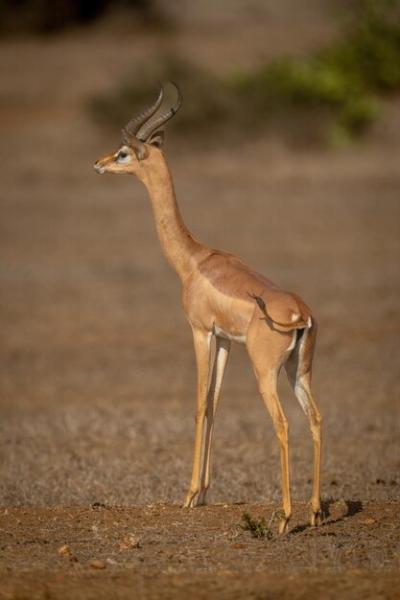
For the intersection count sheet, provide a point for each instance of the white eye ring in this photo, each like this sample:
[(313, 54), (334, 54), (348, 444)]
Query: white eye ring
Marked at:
[(123, 156)]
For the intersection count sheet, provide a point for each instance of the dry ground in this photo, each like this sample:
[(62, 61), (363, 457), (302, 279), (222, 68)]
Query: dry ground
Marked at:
[(162, 551), (97, 373)]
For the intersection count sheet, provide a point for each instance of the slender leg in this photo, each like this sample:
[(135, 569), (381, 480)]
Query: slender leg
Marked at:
[(267, 385), (202, 346), (267, 350), (301, 384), (303, 392), (221, 357)]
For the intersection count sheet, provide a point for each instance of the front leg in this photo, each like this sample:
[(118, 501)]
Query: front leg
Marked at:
[(202, 348), (222, 348)]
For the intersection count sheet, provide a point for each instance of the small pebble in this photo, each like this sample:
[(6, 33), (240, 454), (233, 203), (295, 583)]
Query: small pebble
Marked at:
[(129, 541), (95, 563), (368, 521), (64, 550)]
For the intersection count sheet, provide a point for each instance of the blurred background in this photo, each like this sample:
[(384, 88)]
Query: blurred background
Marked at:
[(285, 152)]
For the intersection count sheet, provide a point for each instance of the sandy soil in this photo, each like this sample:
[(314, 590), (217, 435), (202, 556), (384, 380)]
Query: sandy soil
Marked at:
[(162, 551), (97, 372)]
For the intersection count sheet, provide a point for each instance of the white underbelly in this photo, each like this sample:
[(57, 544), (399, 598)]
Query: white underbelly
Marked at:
[(241, 339)]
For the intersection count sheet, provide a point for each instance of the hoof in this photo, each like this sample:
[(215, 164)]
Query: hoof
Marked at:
[(201, 499), (316, 518), (191, 500), (283, 525)]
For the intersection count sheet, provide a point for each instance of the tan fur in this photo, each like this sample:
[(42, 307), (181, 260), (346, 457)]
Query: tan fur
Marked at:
[(225, 298)]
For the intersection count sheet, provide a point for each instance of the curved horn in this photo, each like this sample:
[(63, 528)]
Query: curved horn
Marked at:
[(134, 124), (148, 128)]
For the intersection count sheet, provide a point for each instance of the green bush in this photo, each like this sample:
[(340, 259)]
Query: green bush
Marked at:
[(258, 528), (346, 78)]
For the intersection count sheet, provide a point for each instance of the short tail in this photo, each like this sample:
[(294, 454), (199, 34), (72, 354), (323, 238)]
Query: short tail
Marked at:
[(297, 322)]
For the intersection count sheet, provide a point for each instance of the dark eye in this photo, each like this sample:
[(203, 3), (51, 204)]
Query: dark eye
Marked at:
[(122, 154)]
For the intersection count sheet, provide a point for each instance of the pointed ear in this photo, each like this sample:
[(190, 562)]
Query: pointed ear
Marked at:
[(157, 139)]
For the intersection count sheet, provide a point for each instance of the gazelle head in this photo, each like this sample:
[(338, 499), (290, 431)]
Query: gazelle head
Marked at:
[(142, 138)]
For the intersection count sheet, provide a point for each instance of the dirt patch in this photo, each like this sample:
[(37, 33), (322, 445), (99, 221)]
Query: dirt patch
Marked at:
[(164, 551)]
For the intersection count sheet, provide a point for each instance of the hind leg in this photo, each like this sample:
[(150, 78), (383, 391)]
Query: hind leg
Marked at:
[(298, 369), (267, 385), (267, 350)]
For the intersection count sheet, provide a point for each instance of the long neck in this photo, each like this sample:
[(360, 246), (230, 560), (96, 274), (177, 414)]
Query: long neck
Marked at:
[(179, 247)]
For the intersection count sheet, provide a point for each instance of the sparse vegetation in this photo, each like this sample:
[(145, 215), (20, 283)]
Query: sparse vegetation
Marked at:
[(342, 84), (258, 528)]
